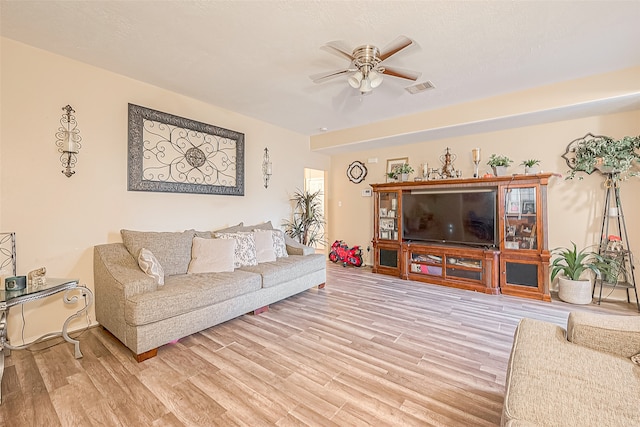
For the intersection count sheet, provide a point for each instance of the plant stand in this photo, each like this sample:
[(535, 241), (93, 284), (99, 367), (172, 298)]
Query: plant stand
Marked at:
[(625, 278)]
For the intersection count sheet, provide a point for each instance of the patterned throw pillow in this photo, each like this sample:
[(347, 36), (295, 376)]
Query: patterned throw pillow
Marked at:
[(278, 244), (150, 265), (265, 251), (212, 255), (245, 252)]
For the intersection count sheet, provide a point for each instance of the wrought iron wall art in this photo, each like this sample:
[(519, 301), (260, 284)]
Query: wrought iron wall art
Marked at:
[(356, 172), (168, 153), (68, 140), (569, 155), (8, 254)]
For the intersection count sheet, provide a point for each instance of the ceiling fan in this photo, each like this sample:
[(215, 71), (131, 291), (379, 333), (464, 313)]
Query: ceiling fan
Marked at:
[(366, 69)]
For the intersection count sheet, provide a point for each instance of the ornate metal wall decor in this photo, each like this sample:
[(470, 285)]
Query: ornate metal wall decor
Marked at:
[(7, 254), (168, 153), (267, 168), (356, 172), (68, 140)]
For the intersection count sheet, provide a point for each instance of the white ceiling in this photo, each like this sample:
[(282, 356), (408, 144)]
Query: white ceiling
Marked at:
[(255, 57)]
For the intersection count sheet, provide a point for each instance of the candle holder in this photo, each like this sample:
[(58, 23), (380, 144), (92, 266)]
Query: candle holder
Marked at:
[(476, 161), (68, 141)]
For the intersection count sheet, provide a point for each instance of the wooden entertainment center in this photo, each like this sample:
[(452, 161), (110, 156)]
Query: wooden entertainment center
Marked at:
[(517, 263)]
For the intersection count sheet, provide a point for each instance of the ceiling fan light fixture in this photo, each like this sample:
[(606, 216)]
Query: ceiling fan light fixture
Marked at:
[(365, 86), (375, 78), (355, 79)]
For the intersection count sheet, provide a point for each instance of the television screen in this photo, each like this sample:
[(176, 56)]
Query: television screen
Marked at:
[(465, 216)]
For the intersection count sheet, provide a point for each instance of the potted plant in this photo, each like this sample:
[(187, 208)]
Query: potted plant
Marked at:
[(569, 265), (531, 166), (307, 225), (400, 171), (608, 155), (499, 164)]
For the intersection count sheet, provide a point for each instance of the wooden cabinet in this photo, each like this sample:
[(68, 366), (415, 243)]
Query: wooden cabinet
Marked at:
[(515, 263)]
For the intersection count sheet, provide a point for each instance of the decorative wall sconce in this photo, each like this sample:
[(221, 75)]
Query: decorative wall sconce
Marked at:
[(266, 168), (68, 140)]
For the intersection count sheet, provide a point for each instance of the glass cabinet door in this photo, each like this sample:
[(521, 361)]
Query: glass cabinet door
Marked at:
[(388, 215), (520, 218)]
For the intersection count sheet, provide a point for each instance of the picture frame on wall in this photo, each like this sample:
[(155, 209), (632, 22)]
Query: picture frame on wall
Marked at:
[(392, 163)]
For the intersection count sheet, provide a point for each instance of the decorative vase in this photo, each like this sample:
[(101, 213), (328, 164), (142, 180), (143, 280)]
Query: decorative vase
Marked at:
[(499, 170), (574, 291)]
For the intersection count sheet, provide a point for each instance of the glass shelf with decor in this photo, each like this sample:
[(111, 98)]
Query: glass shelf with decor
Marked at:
[(388, 215), (520, 219)]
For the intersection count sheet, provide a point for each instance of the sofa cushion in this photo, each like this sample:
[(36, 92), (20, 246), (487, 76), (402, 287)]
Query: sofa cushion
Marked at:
[(188, 292), (245, 251), (551, 381), (212, 255), (151, 266), (279, 244), (173, 250), (265, 251), (231, 229), (287, 269)]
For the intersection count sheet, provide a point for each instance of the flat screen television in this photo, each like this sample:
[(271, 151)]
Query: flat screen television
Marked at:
[(465, 216)]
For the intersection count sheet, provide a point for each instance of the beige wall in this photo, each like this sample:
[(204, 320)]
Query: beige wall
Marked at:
[(58, 219), (575, 207)]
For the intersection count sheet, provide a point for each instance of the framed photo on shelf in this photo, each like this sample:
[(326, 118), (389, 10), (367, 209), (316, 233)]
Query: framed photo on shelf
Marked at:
[(512, 245), (387, 224), (392, 163), (513, 207), (383, 212), (528, 207), (385, 234)]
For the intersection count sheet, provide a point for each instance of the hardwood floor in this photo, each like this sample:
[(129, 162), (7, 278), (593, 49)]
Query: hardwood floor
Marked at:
[(366, 350)]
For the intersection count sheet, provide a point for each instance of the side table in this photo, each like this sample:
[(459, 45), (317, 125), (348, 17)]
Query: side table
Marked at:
[(9, 299)]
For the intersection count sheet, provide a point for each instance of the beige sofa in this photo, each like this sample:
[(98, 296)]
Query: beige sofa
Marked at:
[(583, 376), (145, 314)]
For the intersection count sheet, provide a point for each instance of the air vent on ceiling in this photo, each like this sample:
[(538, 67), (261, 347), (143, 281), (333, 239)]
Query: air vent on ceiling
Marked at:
[(420, 87)]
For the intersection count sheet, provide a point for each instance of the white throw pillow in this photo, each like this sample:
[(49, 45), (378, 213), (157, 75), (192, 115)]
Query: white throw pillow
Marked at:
[(278, 244), (150, 265), (212, 255), (245, 252), (265, 251)]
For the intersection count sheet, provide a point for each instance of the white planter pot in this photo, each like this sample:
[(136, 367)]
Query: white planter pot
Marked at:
[(404, 177), (531, 170), (574, 291), (499, 170)]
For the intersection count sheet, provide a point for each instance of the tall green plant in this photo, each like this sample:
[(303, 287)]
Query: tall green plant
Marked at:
[(307, 223), (572, 263)]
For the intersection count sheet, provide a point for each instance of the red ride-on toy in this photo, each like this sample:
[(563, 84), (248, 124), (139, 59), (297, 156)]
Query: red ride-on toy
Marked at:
[(340, 252)]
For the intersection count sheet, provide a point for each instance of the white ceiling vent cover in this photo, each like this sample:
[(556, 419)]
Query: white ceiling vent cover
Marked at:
[(420, 87)]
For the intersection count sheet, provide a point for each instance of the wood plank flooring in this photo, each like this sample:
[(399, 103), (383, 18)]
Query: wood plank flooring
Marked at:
[(366, 350)]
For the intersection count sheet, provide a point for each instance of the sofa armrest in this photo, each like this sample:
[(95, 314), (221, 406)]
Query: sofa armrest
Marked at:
[(618, 335), (297, 248), (118, 269)]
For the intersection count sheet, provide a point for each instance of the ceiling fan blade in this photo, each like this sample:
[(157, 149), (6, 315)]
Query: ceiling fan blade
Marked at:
[(402, 73), (338, 48), (322, 77), (395, 46)]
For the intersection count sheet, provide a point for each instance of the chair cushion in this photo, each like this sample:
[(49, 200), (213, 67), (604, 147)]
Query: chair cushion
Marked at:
[(188, 292), (287, 269)]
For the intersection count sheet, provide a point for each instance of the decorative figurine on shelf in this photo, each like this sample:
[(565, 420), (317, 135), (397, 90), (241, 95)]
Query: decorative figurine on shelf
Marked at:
[(37, 278), (447, 170)]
